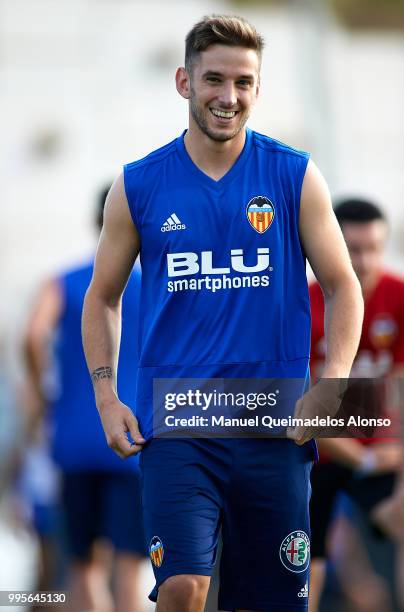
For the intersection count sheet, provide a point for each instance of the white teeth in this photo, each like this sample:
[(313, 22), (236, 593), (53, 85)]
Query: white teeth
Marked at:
[(226, 115)]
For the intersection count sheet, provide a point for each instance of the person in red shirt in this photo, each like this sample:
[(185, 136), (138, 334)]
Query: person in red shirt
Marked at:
[(363, 468)]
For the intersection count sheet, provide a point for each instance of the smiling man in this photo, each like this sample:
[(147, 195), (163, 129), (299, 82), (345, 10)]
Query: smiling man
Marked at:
[(208, 76), (223, 218)]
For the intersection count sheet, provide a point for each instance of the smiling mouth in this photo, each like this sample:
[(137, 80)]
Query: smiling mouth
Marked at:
[(223, 114)]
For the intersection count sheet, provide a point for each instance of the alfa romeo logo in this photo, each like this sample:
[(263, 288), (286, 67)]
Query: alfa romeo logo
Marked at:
[(294, 551)]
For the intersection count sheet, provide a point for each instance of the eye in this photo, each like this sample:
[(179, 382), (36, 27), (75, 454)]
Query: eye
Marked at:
[(244, 83), (213, 79)]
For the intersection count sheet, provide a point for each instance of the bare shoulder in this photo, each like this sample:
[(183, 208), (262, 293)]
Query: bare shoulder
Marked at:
[(315, 193), (320, 233), (119, 231), (116, 209), (316, 213), (118, 246)]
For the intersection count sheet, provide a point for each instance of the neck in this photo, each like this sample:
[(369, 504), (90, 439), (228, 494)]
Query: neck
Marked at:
[(213, 157)]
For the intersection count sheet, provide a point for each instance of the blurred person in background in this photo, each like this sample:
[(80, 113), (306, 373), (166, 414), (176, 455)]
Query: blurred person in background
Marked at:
[(365, 468), (388, 515), (39, 486), (100, 493), (12, 431), (18, 544)]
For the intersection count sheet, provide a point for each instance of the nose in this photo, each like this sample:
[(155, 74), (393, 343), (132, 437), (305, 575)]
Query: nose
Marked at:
[(228, 95)]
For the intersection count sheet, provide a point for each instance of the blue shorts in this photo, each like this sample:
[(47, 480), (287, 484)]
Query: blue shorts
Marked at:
[(256, 491), (103, 505)]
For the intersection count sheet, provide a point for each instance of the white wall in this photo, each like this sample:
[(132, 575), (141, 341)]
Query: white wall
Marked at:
[(91, 83)]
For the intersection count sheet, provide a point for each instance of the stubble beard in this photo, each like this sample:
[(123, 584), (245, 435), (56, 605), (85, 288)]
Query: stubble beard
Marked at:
[(201, 121)]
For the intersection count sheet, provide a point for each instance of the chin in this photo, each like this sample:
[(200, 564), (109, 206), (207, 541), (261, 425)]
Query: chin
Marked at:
[(223, 135)]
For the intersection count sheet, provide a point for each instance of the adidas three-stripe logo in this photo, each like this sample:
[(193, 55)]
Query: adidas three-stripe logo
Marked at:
[(172, 223)]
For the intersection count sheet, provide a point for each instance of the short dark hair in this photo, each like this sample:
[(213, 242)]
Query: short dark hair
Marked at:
[(230, 30), (101, 197), (357, 210)]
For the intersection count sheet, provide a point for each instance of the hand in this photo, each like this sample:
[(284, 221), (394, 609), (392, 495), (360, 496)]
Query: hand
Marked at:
[(388, 457), (118, 420), (322, 400)]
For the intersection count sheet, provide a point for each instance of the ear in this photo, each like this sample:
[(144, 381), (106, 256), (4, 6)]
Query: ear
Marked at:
[(258, 87), (183, 83)]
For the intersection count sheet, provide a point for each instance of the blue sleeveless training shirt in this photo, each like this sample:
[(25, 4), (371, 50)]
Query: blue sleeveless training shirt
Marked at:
[(224, 290)]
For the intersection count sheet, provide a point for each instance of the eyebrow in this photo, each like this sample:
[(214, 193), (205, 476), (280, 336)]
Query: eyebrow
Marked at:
[(248, 77)]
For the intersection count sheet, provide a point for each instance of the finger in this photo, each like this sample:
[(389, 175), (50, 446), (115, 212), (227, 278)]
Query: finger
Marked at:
[(296, 434), (308, 435), (312, 433), (300, 435), (136, 448), (126, 449), (133, 429), (120, 444)]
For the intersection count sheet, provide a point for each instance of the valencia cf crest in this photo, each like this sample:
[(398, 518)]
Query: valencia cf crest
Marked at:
[(156, 551), (260, 213), (383, 331), (294, 551)]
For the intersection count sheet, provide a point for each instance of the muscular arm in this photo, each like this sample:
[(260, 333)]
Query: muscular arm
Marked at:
[(328, 256), (326, 251), (101, 324)]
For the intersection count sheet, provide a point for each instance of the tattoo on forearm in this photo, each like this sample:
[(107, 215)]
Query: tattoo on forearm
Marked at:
[(99, 373)]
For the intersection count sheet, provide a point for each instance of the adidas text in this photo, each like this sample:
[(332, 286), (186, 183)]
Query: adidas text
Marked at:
[(172, 224)]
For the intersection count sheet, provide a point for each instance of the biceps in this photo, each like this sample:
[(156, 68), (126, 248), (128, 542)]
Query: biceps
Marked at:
[(113, 264), (117, 250), (327, 253), (320, 233)]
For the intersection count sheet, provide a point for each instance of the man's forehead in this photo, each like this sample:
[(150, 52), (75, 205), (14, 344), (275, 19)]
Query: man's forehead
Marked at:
[(224, 58), (370, 230)]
